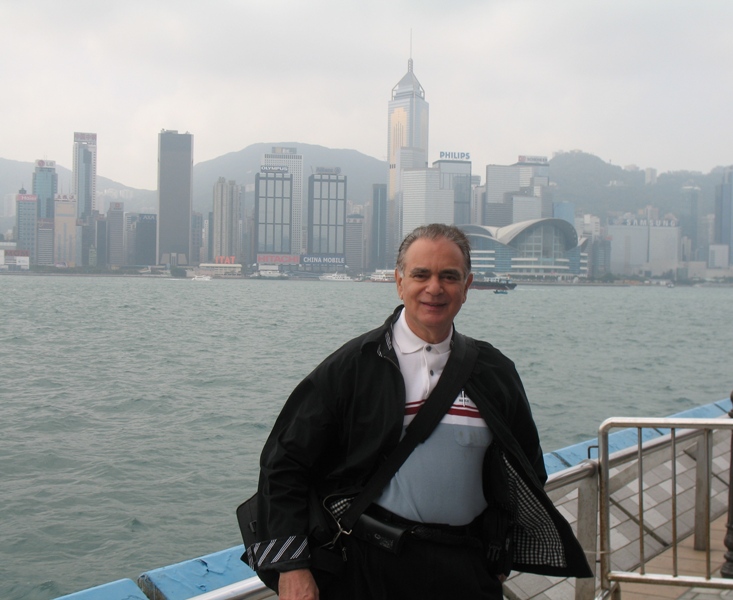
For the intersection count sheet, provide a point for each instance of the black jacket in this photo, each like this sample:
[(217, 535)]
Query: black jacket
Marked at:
[(344, 418)]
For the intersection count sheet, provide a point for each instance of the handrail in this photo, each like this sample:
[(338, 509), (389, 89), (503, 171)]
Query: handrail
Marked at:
[(690, 428)]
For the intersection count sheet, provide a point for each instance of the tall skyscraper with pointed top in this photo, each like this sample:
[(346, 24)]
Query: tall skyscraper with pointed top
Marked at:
[(407, 146)]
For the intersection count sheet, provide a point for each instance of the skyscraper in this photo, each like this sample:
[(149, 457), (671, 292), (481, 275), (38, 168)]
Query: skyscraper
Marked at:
[(65, 230), (175, 197), (26, 214), (45, 187), (84, 174), (145, 233), (527, 178), (354, 243), (407, 146), (273, 215), (116, 234), (226, 218), (326, 212), (455, 175), (424, 201), (724, 213), (289, 158), (377, 239)]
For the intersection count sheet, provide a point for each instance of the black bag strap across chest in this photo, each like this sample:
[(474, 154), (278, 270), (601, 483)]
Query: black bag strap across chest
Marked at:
[(455, 374)]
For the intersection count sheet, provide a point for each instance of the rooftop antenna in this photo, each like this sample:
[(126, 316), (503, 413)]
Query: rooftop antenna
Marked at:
[(409, 62)]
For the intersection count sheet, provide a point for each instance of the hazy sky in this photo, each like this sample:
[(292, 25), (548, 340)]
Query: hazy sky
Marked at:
[(645, 82)]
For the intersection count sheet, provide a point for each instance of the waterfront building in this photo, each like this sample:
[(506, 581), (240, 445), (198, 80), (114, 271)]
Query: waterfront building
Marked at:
[(197, 236), (115, 234), (455, 175), (564, 210), (326, 213), (8, 206), (647, 247), (424, 201), (377, 226), (273, 216), (84, 173), (354, 244), (407, 147), (226, 219), (26, 215), (98, 244), (718, 256), (44, 242), (65, 230), (146, 230), (45, 187), (128, 239), (175, 197), (478, 202), (290, 159), (531, 250), (724, 213), (529, 177), (693, 225)]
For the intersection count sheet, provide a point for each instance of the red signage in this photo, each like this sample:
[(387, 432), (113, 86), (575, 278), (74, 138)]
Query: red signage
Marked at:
[(278, 259), (225, 260)]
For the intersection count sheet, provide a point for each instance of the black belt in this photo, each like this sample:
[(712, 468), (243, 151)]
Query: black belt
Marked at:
[(391, 537)]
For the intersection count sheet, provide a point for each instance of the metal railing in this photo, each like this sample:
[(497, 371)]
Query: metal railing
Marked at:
[(630, 467)]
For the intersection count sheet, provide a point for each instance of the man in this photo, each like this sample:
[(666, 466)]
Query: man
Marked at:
[(347, 415)]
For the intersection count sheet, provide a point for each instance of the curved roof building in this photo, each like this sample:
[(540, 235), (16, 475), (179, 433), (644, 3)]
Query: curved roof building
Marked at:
[(531, 249)]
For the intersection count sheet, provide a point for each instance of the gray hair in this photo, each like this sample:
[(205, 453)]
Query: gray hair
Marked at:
[(436, 231)]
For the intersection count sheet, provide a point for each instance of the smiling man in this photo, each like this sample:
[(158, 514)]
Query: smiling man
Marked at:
[(463, 509)]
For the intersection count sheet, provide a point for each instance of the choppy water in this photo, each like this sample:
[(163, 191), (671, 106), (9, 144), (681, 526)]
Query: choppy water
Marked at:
[(133, 410)]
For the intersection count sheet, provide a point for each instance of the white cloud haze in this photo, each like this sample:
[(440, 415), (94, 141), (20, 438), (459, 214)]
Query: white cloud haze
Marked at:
[(648, 83)]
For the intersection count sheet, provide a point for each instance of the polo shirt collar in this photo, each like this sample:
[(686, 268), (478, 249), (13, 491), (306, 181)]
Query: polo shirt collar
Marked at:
[(408, 342)]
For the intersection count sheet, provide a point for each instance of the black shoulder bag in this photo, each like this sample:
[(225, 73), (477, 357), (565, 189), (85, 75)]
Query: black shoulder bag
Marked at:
[(455, 374)]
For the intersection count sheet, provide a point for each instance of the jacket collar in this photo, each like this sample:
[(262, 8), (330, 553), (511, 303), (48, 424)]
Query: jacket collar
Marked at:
[(384, 338)]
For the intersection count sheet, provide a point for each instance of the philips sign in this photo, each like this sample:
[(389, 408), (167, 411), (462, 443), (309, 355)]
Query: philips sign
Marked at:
[(455, 155)]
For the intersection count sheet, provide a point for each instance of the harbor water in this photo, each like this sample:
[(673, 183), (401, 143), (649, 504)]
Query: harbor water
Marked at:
[(134, 409)]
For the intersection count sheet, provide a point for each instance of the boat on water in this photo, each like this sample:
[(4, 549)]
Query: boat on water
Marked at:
[(492, 283), (382, 276), (270, 274), (335, 277), (201, 278), (501, 291)]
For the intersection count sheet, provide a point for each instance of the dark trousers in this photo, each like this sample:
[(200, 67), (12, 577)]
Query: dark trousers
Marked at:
[(422, 570)]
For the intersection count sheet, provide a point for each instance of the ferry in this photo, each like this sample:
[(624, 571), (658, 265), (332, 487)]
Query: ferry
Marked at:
[(201, 278), (492, 283), (335, 277), (382, 276)]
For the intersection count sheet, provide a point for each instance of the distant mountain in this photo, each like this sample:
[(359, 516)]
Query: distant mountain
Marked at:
[(599, 188), (361, 170)]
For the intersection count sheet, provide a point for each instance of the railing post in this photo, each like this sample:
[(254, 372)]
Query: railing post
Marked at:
[(703, 470), (727, 569), (588, 532)]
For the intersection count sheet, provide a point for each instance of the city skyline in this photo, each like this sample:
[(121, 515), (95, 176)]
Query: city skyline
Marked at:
[(633, 84)]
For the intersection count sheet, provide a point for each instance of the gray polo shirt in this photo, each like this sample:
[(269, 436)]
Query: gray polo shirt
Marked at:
[(440, 482)]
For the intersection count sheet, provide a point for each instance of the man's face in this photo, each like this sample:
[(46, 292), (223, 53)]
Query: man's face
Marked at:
[(433, 287)]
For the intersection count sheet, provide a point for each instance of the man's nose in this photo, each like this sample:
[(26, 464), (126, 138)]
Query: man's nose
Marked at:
[(435, 286)]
